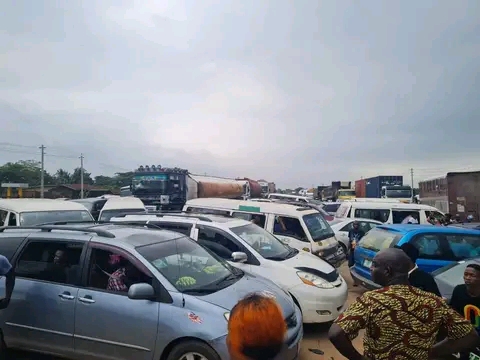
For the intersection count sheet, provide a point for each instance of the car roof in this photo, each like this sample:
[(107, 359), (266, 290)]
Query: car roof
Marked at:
[(405, 228), (390, 205), (126, 235), (29, 205), (127, 202), (185, 218), (251, 206), (87, 200)]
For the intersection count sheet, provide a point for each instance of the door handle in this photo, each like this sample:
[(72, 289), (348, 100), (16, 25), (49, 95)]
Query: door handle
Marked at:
[(86, 299), (66, 295)]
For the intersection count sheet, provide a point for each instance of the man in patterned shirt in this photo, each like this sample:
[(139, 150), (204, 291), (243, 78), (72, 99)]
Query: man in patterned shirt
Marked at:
[(400, 321)]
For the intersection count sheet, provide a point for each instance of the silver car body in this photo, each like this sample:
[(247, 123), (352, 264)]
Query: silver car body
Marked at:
[(77, 322)]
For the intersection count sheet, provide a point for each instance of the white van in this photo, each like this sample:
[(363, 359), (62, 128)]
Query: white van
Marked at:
[(32, 212), (298, 198), (302, 228), (121, 205), (386, 212)]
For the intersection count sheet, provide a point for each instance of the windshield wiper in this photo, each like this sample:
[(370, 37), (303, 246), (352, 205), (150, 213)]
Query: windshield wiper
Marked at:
[(199, 291), (229, 277), (291, 253), (277, 258)]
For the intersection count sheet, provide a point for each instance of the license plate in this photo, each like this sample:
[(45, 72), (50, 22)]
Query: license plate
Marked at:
[(367, 263)]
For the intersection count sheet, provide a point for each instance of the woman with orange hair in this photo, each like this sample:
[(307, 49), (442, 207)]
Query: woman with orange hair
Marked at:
[(256, 329)]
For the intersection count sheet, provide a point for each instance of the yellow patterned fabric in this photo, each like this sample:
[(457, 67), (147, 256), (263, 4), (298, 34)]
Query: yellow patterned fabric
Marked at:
[(401, 322)]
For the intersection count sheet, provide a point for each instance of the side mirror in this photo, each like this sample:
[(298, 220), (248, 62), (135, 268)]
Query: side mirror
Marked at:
[(239, 257), (142, 291)]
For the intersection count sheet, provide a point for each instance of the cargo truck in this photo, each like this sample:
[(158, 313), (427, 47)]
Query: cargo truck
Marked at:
[(339, 190), (170, 188), (388, 187), (454, 193)]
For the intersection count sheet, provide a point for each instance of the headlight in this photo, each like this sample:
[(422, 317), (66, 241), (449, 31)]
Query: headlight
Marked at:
[(313, 280), (226, 316)]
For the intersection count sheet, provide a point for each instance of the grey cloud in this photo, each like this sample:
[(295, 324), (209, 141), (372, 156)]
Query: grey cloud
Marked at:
[(298, 93)]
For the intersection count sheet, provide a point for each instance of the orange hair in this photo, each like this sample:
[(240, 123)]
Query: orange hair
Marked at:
[(256, 328)]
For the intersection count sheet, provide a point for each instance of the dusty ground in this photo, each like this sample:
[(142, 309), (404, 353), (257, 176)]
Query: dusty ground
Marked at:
[(316, 335)]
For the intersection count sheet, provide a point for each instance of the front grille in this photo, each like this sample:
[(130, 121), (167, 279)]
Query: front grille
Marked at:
[(291, 321), (330, 251)]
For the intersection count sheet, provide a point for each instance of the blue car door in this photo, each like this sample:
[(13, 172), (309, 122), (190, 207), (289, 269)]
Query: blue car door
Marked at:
[(434, 251)]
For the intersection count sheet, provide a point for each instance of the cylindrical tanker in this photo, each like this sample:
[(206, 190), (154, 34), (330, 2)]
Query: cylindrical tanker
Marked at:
[(206, 186), (252, 188)]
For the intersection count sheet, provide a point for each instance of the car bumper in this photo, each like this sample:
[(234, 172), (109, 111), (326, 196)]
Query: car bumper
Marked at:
[(359, 279), (320, 305), (291, 349), (336, 258)]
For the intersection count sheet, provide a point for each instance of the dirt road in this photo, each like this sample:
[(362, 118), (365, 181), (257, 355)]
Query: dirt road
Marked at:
[(316, 335)]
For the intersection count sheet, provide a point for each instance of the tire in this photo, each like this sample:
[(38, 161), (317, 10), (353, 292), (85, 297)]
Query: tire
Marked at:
[(192, 346)]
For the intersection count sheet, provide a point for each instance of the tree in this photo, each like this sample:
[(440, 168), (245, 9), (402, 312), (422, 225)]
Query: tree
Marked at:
[(62, 177), (76, 177), (24, 171), (123, 178), (106, 181)]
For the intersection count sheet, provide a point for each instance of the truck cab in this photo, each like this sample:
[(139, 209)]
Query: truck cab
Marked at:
[(401, 193)]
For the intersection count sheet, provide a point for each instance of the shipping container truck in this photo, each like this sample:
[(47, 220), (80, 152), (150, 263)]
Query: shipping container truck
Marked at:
[(360, 188), (373, 185), (339, 190), (252, 188), (454, 193)]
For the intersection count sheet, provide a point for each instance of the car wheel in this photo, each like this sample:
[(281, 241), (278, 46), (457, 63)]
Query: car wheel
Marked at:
[(193, 350), (344, 247)]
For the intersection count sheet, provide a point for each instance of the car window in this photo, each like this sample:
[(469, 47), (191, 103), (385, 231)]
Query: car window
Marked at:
[(208, 211), (331, 208), (218, 243), (109, 271), (44, 217), (452, 274), (379, 239), (3, 217), (261, 240), (180, 228), (288, 226), (51, 261), (398, 216), (259, 219), (190, 267), (319, 228), (381, 215), (347, 227), (12, 219), (464, 246), (433, 247), (106, 215)]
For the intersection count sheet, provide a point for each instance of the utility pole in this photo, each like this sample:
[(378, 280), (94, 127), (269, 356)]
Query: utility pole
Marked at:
[(81, 176), (42, 162), (411, 175)]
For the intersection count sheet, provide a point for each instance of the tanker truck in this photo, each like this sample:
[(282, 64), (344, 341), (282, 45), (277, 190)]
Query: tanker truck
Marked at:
[(170, 188)]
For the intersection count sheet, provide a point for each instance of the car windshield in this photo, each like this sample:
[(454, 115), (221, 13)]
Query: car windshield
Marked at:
[(379, 239), (318, 227), (190, 267), (263, 242), (44, 217), (106, 215)]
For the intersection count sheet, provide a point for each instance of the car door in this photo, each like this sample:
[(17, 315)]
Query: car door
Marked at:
[(41, 313), (109, 325), (434, 251)]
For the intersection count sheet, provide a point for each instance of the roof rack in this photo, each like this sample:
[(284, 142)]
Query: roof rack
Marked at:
[(68, 222), (133, 223), (49, 228), (163, 214)]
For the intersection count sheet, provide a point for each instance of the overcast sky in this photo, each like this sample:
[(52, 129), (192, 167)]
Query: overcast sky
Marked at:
[(297, 92)]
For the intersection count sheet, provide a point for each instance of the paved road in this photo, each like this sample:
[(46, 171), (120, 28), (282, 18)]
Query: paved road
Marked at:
[(315, 335)]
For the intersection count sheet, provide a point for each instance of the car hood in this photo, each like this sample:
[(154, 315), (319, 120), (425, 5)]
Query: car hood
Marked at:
[(229, 297), (305, 259)]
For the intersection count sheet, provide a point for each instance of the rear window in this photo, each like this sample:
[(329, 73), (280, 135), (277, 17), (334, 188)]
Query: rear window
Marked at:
[(379, 239), (340, 212)]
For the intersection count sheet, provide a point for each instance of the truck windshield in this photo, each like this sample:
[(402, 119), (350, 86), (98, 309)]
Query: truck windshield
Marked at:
[(398, 193), (346, 192)]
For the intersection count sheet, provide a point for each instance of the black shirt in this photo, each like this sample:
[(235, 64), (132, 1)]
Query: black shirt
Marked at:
[(466, 305), (424, 281)]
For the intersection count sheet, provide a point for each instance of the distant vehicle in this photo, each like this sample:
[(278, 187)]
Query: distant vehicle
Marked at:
[(342, 227), (317, 204), (438, 246), (332, 192), (126, 190), (253, 249), (454, 193), (27, 212), (94, 205), (385, 186), (331, 207), (69, 312), (451, 275), (121, 205)]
